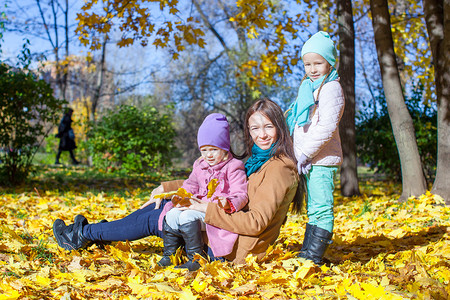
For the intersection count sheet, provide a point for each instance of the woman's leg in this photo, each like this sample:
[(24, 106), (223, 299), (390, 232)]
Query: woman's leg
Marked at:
[(58, 156), (137, 225), (212, 257), (72, 156)]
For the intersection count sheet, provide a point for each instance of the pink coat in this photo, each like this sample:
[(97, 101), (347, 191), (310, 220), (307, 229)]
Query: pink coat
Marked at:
[(320, 140), (232, 185)]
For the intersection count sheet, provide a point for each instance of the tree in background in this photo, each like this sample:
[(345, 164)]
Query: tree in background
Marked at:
[(349, 174), (413, 180), (437, 16), (375, 140), (28, 111), (52, 31)]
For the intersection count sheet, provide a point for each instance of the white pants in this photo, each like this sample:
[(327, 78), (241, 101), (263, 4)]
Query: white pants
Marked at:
[(175, 217)]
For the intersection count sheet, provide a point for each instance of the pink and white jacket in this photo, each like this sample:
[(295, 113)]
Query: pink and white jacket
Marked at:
[(320, 140), (232, 181)]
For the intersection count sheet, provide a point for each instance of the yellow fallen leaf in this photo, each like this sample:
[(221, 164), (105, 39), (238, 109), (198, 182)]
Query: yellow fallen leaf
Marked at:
[(180, 192), (212, 185), (199, 286), (396, 233), (306, 270), (43, 281)]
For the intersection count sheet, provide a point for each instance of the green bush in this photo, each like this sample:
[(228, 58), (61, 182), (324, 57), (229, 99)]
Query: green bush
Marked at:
[(132, 140), (28, 111), (375, 140)]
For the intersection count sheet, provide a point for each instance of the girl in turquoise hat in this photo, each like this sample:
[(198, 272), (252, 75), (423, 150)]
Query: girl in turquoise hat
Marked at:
[(313, 120)]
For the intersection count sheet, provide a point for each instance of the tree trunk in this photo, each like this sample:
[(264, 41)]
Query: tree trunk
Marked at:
[(413, 179), (347, 130), (437, 16), (99, 85), (65, 79)]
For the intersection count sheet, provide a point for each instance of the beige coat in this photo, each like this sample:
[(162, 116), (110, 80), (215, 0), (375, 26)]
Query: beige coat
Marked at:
[(270, 193)]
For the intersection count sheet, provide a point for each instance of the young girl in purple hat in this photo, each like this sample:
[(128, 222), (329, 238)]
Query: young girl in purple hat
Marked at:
[(216, 162)]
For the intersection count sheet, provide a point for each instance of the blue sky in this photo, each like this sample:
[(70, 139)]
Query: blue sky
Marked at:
[(132, 59)]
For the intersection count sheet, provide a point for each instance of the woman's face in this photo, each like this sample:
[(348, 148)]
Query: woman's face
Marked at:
[(315, 65), (262, 130)]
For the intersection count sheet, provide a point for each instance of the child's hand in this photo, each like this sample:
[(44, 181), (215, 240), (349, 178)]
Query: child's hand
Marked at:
[(223, 203), (304, 164)]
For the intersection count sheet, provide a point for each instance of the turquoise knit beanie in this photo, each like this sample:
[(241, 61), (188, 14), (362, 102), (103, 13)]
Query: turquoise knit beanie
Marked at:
[(322, 44)]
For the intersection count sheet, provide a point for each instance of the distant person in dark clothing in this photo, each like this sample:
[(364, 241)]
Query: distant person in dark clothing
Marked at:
[(66, 137)]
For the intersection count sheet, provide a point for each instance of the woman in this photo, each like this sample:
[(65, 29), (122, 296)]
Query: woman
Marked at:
[(273, 182), (66, 137)]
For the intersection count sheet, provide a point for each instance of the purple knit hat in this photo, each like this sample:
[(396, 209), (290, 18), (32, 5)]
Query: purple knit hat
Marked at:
[(214, 131)]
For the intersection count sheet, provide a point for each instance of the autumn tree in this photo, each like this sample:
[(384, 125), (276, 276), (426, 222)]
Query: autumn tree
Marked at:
[(52, 26), (349, 175), (204, 80), (413, 179), (437, 16), (47, 21)]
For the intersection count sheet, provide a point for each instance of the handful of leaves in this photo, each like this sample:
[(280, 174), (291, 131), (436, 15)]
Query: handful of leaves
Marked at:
[(181, 192), (181, 196), (181, 201)]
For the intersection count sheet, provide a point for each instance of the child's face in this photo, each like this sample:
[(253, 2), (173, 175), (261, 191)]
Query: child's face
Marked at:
[(213, 155), (315, 65)]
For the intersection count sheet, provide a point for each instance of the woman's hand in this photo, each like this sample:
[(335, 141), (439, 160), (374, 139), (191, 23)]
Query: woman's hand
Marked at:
[(196, 204), (157, 201)]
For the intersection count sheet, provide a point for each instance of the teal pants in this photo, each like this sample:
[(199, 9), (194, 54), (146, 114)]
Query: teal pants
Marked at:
[(320, 185)]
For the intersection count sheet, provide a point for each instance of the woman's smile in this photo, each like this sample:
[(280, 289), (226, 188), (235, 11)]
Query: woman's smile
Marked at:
[(262, 131)]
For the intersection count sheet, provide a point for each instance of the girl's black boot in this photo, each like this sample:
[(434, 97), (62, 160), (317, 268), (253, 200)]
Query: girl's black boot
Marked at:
[(193, 240), (318, 242), (306, 239), (172, 241)]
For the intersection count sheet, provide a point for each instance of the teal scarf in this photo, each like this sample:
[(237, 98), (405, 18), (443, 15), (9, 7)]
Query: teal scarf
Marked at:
[(298, 112), (258, 158)]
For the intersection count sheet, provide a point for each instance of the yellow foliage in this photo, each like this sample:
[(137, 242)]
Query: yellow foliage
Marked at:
[(389, 250), (180, 192)]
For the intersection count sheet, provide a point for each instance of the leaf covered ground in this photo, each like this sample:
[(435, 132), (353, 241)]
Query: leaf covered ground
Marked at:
[(382, 249)]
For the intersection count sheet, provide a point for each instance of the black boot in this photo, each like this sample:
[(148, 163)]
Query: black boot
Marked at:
[(193, 240), (172, 241), (319, 239), (71, 237), (306, 239)]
